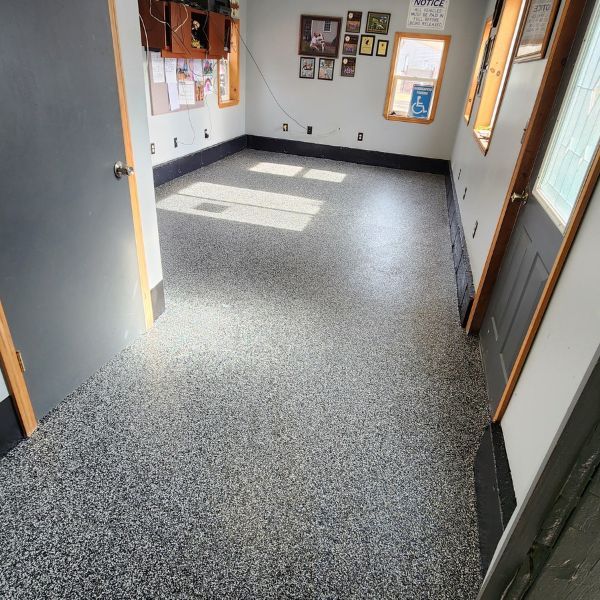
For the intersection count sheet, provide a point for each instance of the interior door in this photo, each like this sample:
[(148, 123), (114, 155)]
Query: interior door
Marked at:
[(569, 145), (69, 278)]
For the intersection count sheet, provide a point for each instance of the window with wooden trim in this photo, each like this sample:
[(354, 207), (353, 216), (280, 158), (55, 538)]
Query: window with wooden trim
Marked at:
[(502, 43), (416, 75), (228, 69), (483, 57)]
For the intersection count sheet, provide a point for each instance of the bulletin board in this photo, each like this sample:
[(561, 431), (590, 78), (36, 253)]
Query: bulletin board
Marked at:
[(179, 84)]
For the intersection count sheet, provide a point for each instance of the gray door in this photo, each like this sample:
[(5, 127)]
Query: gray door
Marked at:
[(68, 268), (564, 159)]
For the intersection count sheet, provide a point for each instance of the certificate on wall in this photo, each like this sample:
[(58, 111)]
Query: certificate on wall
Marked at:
[(537, 29)]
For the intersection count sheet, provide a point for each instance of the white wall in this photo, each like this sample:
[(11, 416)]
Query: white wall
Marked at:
[(487, 177), (129, 36), (339, 109), (3, 388), (188, 126)]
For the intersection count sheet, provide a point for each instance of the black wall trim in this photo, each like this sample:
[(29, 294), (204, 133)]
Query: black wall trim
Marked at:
[(465, 289), (10, 430), (157, 295), (495, 493), (354, 155), (186, 164)]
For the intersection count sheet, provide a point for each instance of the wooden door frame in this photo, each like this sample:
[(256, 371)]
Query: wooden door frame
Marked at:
[(15, 381), (129, 159), (534, 134)]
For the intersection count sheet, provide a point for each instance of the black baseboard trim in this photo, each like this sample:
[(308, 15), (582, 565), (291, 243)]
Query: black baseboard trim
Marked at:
[(495, 494), (465, 289), (157, 295), (10, 429), (186, 164), (353, 155)]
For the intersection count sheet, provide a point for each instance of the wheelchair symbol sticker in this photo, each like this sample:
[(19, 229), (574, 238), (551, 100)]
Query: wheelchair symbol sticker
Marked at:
[(420, 101)]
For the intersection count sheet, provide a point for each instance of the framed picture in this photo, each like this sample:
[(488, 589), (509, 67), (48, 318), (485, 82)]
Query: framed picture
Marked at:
[(326, 66), (382, 47), (320, 36), (536, 30), (350, 46), (348, 66), (367, 44), (353, 22), (307, 68), (378, 23)]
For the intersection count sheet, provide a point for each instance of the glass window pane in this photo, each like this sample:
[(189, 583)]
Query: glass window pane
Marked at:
[(224, 80), (419, 58), (576, 134)]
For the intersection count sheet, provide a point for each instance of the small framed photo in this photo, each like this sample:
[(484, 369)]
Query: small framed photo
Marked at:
[(382, 47), (320, 36), (537, 29), (307, 68), (350, 47), (353, 22), (378, 23), (367, 44), (348, 66), (326, 66)]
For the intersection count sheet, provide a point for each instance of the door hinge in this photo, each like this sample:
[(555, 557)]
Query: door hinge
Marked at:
[(21, 361), (520, 198)]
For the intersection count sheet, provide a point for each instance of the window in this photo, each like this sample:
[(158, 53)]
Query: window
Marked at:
[(502, 42), (416, 77), (480, 65), (229, 69), (575, 137), (327, 26)]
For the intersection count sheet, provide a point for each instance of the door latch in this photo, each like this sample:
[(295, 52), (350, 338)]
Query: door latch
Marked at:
[(122, 169), (520, 198)]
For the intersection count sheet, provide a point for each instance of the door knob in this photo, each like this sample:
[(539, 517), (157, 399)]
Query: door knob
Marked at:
[(122, 169), (520, 198)]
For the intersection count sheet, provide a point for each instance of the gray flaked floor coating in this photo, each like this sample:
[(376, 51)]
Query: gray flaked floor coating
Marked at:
[(301, 423)]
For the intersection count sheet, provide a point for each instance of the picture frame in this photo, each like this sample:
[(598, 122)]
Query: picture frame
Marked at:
[(538, 22), (307, 67), (350, 45), (353, 21), (348, 66), (320, 36), (367, 45), (382, 47), (326, 67), (378, 23)]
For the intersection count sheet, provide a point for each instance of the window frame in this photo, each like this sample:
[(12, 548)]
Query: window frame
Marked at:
[(501, 59), (233, 60), (438, 82), (470, 103)]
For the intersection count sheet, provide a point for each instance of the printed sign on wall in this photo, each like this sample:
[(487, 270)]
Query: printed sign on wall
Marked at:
[(420, 101), (427, 14)]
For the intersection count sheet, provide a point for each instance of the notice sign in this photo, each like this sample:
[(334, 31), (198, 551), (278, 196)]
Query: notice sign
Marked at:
[(420, 101), (427, 14)]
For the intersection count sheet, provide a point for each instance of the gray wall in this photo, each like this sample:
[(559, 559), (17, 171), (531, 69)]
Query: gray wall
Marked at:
[(339, 109)]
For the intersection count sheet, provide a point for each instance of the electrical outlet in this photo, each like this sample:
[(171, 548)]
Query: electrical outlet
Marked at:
[(475, 228), (175, 142), (360, 136), (206, 135), (459, 174), (286, 127), (465, 194), (152, 148), (309, 130)]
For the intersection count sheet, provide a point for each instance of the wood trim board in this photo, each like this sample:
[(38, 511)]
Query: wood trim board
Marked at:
[(129, 159), (15, 381)]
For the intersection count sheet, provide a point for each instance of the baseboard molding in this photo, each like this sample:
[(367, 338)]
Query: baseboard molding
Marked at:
[(157, 296), (10, 429), (186, 164), (353, 155), (465, 289), (495, 493)]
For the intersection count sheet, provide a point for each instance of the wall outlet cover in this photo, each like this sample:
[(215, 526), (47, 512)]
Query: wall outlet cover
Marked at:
[(309, 130), (175, 142), (286, 127), (360, 136), (152, 148)]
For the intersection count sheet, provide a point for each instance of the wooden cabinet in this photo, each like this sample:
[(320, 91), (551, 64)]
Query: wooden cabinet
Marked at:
[(180, 31)]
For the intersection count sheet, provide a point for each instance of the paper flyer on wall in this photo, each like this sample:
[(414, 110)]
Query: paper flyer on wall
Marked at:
[(171, 70), (173, 96), (427, 14), (157, 67)]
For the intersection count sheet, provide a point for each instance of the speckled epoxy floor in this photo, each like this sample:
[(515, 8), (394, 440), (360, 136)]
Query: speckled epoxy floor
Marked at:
[(301, 423)]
